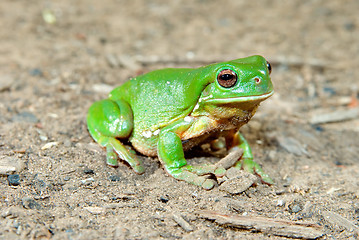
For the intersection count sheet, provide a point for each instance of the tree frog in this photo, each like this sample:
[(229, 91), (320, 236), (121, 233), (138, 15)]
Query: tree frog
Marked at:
[(166, 112)]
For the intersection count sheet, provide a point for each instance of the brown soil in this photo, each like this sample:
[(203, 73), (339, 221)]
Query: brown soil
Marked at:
[(51, 73)]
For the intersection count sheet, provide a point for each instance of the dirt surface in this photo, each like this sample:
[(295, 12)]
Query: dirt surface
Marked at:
[(58, 57)]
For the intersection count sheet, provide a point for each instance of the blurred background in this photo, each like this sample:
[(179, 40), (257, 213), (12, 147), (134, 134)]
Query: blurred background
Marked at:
[(202, 29)]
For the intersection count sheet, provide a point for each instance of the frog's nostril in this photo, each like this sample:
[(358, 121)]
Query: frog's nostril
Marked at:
[(257, 80)]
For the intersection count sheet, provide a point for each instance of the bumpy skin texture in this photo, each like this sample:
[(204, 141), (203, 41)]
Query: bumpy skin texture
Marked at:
[(165, 112)]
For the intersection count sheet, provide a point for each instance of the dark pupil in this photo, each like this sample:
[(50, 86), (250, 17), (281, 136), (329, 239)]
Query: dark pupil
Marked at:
[(269, 67), (226, 77)]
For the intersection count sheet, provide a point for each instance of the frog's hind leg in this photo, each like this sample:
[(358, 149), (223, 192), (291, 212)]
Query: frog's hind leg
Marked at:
[(108, 121)]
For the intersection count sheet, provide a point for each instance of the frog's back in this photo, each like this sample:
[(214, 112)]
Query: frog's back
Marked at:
[(158, 97)]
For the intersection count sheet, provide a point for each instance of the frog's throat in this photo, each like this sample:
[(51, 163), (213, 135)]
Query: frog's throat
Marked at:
[(258, 98)]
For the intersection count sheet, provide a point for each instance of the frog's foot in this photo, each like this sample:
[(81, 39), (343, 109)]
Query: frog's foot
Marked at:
[(201, 170), (197, 175), (248, 165), (171, 155), (190, 177), (115, 149)]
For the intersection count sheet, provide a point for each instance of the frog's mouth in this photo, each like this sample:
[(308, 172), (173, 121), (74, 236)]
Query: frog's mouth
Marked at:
[(257, 98)]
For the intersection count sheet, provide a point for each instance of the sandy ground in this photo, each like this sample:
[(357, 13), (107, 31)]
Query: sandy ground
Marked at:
[(58, 57)]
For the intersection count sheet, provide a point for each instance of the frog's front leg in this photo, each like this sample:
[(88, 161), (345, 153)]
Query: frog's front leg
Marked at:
[(236, 140), (109, 121), (170, 152)]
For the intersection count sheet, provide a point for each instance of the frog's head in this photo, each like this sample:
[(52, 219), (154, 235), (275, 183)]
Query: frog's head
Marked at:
[(240, 84)]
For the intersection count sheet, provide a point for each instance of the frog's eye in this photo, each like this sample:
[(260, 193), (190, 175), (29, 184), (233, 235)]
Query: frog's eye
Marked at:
[(227, 78), (269, 67)]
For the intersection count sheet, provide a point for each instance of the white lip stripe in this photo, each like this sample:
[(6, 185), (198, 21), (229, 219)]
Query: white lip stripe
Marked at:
[(240, 99)]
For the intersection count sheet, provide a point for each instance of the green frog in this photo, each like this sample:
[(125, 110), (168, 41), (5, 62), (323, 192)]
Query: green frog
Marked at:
[(166, 112)]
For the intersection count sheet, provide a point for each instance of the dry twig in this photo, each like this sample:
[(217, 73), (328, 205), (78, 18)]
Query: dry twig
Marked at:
[(229, 160), (183, 223), (272, 226)]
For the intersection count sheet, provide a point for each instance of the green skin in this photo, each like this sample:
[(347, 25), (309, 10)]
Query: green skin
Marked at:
[(166, 112)]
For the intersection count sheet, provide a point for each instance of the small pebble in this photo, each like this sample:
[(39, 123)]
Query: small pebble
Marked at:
[(272, 155), (30, 203), (164, 199), (49, 145), (88, 181), (114, 178), (43, 138), (67, 178), (295, 207), (13, 179), (89, 171), (67, 143), (239, 183), (280, 203), (39, 185)]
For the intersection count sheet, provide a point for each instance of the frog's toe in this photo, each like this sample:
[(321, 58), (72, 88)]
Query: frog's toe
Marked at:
[(112, 159), (201, 170), (139, 169), (264, 177), (220, 172), (116, 150), (248, 165), (208, 184), (190, 177), (251, 166)]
